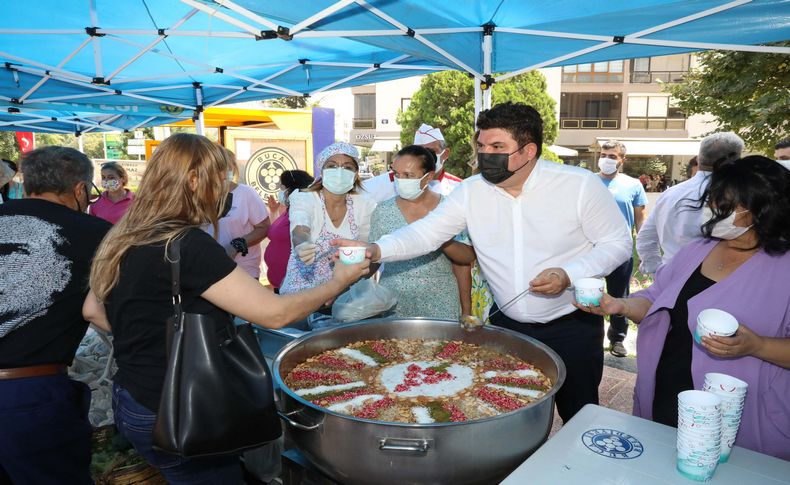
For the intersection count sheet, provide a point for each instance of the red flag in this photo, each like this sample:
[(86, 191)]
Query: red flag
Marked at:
[(25, 139)]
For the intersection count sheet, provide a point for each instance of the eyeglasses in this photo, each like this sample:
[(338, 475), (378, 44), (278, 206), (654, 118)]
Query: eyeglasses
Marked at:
[(94, 194)]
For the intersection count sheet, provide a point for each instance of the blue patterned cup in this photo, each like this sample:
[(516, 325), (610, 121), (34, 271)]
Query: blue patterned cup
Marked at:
[(588, 291)]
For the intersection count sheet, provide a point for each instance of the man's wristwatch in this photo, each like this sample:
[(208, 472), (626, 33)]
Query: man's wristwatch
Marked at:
[(240, 245)]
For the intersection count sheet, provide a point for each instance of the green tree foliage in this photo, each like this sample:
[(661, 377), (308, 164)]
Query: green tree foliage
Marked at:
[(291, 102), (446, 100), (9, 148), (747, 92)]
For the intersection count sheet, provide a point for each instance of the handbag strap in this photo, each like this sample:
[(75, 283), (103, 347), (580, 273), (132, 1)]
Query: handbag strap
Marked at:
[(174, 256)]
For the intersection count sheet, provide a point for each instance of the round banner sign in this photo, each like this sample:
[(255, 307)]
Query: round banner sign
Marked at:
[(264, 168)]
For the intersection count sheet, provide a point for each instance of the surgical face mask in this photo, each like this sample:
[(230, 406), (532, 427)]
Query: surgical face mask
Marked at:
[(230, 175), (785, 163), (338, 180), (409, 189), (111, 184), (725, 228), (439, 162), (607, 165), (493, 166), (282, 197)]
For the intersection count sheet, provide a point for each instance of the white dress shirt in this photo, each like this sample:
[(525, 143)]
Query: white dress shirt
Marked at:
[(381, 187), (564, 217), (672, 223)]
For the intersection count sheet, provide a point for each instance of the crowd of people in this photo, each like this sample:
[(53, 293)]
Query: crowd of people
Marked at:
[(719, 240)]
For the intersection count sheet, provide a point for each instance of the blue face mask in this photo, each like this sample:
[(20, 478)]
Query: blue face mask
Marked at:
[(338, 180)]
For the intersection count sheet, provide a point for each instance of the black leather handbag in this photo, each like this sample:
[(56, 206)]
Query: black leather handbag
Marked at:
[(217, 396)]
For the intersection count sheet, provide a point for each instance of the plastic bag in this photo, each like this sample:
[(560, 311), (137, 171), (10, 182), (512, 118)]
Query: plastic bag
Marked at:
[(366, 298)]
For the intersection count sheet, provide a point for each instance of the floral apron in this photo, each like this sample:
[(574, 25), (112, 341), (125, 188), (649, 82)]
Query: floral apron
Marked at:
[(300, 276)]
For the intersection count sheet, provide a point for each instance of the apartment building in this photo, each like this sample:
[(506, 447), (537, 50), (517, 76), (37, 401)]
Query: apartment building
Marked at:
[(624, 100)]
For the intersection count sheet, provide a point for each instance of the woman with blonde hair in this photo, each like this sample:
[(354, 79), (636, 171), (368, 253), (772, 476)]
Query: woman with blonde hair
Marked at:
[(184, 187), (116, 198)]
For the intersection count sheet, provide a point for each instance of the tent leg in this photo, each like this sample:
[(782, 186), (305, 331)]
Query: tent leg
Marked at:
[(200, 124), (80, 144), (478, 99)]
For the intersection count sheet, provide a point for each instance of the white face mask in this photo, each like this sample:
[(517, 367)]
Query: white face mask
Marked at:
[(409, 189), (725, 228), (338, 180), (439, 161), (607, 165), (111, 184), (230, 175), (784, 163), (282, 197)]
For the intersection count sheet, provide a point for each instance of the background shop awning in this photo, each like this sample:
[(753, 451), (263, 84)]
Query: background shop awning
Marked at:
[(563, 151), (148, 59), (657, 146)]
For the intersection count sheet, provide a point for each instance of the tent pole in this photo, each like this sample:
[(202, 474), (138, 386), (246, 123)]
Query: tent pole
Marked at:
[(478, 99), (80, 143), (200, 122), (488, 36)]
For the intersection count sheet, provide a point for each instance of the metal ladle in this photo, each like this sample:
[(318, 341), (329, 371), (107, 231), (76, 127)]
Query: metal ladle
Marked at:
[(472, 322)]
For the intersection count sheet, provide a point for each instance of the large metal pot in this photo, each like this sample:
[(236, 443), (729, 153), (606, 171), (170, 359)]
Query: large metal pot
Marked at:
[(360, 451)]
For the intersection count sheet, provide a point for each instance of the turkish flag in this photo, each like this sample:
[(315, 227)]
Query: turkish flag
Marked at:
[(25, 139)]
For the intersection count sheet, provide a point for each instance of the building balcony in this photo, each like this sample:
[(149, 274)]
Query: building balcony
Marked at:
[(584, 123), (656, 123), (650, 77), (363, 123)]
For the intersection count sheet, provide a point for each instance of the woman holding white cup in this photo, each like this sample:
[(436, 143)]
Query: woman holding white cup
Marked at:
[(740, 267), (332, 208)]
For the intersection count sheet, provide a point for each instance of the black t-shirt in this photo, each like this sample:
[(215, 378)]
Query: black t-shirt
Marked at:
[(141, 303), (45, 257), (673, 374)]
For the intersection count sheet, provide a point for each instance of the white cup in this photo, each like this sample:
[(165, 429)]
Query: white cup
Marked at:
[(713, 321), (589, 291), (725, 385), (352, 254)]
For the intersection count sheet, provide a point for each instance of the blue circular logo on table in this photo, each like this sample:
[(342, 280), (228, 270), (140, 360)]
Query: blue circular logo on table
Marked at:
[(612, 444)]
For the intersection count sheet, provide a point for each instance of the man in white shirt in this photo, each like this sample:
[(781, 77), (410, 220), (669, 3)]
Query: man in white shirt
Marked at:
[(381, 187), (631, 200), (675, 220), (536, 225)]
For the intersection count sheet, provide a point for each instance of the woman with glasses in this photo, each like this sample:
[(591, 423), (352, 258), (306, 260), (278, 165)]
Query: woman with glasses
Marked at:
[(116, 198), (432, 274)]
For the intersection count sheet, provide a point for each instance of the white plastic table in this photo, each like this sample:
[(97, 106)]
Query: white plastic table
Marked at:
[(603, 446)]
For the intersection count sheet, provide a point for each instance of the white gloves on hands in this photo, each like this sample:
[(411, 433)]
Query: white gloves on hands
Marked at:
[(306, 252)]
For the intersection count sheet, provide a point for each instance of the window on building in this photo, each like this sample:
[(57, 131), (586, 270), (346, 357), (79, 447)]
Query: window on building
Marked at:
[(654, 113), (599, 72), (590, 111), (665, 69), (404, 104), (365, 110)]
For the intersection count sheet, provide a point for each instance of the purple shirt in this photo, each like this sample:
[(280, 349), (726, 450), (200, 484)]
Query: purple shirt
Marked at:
[(111, 211), (757, 295)]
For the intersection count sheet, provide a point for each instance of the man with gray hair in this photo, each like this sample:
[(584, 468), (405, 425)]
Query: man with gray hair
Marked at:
[(46, 246), (675, 220)]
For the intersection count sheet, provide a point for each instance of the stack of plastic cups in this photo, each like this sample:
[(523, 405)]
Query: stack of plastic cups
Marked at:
[(732, 392), (699, 434)]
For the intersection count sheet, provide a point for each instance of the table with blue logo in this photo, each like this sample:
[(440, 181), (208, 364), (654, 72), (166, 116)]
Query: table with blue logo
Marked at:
[(603, 446)]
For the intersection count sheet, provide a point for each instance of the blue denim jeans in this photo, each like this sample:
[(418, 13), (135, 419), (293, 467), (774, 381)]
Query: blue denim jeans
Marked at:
[(136, 423), (45, 435)]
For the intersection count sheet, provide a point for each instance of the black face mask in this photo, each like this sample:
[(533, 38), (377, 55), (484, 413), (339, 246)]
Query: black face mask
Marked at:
[(228, 204), (493, 166)]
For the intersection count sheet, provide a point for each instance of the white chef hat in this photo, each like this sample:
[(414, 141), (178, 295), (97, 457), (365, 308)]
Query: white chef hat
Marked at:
[(427, 134)]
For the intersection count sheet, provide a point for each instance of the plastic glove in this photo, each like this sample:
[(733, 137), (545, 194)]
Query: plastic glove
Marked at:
[(306, 252)]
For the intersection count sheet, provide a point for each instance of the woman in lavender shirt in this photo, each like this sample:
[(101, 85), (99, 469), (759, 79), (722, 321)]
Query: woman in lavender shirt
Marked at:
[(741, 267)]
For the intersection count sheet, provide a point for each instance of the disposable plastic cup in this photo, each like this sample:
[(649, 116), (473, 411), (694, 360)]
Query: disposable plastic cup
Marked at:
[(725, 385), (588, 291), (352, 254), (699, 402), (713, 321)]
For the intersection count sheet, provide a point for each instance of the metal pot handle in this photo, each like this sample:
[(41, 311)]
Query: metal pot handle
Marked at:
[(287, 418), (419, 445)]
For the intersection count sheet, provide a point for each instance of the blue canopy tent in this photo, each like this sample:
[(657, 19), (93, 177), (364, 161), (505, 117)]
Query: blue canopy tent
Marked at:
[(121, 64)]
